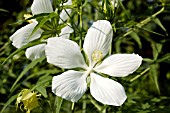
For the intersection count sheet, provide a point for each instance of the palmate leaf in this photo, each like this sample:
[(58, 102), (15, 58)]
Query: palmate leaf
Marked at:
[(43, 21), (27, 68)]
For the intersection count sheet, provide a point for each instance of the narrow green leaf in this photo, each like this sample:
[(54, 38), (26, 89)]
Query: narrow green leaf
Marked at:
[(42, 82), (117, 46), (44, 72), (3, 10), (42, 90), (9, 102), (29, 66), (148, 60), (124, 9), (95, 103), (154, 70), (142, 28), (158, 22), (59, 103), (165, 58), (135, 36), (157, 47)]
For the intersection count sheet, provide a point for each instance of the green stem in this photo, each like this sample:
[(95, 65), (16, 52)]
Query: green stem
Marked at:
[(57, 104), (84, 104), (81, 26), (136, 77), (142, 23)]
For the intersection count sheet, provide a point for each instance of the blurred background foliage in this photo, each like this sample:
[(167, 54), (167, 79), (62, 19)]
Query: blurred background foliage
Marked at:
[(140, 26)]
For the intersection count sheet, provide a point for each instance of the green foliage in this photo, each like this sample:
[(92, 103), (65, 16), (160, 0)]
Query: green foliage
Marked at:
[(139, 27)]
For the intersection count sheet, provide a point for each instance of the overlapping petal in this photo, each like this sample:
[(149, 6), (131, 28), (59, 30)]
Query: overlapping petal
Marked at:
[(35, 52), (41, 6), (64, 53), (65, 12), (107, 91), (66, 31), (70, 85), (22, 36), (120, 65), (98, 38)]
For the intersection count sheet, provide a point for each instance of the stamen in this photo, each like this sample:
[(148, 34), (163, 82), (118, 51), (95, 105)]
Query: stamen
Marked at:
[(26, 16), (97, 56)]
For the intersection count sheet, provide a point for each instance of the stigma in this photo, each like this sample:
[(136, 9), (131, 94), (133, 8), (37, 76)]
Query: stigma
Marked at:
[(97, 56)]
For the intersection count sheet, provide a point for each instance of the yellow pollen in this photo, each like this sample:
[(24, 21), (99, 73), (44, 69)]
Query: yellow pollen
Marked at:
[(26, 16), (97, 55)]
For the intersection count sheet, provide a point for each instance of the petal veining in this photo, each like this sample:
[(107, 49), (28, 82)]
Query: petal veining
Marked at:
[(41, 6), (98, 38), (64, 53), (64, 13), (70, 85), (107, 91), (35, 52), (120, 65), (22, 36)]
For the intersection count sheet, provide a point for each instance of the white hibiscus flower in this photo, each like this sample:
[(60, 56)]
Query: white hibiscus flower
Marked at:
[(71, 85), (22, 36)]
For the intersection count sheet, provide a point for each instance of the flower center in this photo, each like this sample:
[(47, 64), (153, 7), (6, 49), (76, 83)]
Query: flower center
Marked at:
[(97, 56)]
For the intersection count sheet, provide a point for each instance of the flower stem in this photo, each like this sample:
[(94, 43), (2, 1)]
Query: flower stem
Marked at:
[(136, 77), (81, 25)]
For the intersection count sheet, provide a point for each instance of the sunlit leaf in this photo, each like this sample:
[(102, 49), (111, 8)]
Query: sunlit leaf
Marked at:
[(42, 82), (42, 90)]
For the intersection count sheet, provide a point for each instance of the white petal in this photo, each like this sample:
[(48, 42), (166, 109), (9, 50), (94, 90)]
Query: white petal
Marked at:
[(64, 53), (69, 2), (120, 65), (70, 85), (98, 38), (65, 32), (64, 15), (35, 52), (107, 91), (22, 36), (41, 6)]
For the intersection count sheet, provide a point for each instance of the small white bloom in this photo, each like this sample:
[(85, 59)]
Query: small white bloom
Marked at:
[(71, 85), (22, 36)]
